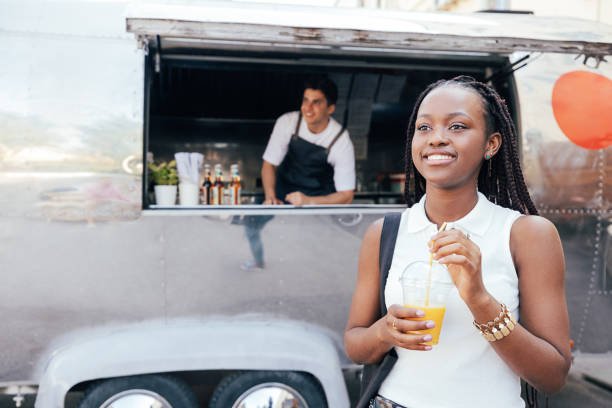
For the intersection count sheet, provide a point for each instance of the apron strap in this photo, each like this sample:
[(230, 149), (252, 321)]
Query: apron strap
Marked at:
[(297, 127), (328, 149)]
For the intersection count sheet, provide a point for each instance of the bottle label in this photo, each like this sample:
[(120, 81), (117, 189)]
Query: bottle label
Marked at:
[(227, 196), (204, 197), (214, 196), (236, 192)]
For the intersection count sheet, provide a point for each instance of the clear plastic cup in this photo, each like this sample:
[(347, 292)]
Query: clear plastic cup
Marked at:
[(427, 289)]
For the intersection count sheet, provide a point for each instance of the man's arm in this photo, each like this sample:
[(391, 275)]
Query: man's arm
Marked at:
[(268, 178), (339, 197)]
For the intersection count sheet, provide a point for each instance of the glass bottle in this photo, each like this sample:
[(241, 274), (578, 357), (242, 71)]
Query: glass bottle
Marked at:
[(205, 196), (236, 186), (217, 188)]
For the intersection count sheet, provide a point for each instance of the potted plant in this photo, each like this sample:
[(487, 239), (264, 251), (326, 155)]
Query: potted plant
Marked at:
[(165, 179)]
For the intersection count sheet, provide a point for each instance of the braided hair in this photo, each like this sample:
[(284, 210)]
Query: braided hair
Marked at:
[(501, 179)]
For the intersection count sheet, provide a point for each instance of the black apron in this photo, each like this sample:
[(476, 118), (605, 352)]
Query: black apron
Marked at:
[(305, 168)]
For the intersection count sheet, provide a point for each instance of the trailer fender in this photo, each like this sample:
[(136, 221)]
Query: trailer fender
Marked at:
[(228, 343)]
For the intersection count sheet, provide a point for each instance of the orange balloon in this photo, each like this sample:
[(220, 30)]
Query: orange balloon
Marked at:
[(582, 105)]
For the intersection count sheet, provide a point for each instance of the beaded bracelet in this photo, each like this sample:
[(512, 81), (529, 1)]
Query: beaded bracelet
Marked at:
[(499, 327)]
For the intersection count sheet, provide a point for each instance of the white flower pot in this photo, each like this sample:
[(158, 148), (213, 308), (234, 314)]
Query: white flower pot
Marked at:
[(165, 195)]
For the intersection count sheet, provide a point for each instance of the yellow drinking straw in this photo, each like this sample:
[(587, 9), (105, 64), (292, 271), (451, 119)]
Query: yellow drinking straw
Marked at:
[(442, 228)]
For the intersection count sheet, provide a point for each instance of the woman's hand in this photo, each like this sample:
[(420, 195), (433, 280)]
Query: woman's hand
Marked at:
[(454, 249), (398, 329)]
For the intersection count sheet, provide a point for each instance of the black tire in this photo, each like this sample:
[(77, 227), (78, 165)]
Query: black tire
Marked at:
[(175, 391), (232, 387)]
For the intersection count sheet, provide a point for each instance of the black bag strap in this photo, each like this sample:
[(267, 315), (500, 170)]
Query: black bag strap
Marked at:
[(388, 237), (374, 374)]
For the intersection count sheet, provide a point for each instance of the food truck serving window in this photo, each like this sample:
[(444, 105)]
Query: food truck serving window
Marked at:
[(215, 88), (224, 106)]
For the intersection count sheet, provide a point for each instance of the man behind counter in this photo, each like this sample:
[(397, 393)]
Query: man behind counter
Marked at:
[(309, 160)]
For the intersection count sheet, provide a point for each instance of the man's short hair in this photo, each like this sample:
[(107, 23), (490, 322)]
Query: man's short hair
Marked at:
[(325, 85)]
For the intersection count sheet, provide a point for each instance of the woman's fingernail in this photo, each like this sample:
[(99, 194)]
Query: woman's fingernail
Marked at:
[(420, 313), (427, 348), (430, 324), (430, 244), (427, 337)]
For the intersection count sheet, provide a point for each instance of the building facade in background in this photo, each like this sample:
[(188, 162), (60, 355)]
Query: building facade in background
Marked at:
[(597, 10)]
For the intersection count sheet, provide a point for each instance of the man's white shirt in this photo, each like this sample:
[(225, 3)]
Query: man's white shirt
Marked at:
[(341, 156)]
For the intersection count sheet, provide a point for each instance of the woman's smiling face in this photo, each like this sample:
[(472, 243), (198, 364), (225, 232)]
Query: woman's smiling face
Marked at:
[(450, 137)]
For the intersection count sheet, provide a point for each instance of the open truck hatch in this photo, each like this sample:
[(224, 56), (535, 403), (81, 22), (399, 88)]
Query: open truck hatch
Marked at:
[(243, 25), (220, 75)]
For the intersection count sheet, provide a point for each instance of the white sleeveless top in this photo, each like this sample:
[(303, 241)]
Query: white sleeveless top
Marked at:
[(462, 370)]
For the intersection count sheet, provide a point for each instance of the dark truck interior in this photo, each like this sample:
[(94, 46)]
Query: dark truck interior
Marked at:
[(223, 104)]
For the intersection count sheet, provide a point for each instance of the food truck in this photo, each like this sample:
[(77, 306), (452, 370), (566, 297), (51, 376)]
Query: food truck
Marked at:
[(111, 298)]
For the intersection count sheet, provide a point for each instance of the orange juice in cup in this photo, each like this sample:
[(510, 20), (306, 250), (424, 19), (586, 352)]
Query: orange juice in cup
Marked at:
[(425, 287), (435, 313)]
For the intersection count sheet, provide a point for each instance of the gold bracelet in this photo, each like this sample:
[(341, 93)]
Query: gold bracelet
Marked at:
[(499, 327)]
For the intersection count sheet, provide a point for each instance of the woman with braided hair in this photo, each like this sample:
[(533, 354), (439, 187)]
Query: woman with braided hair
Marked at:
[(506, 318), (501, 179)]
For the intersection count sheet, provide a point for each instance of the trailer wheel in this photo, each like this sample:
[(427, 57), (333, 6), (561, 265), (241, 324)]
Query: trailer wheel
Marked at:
[(254, 388), (161, 391)]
